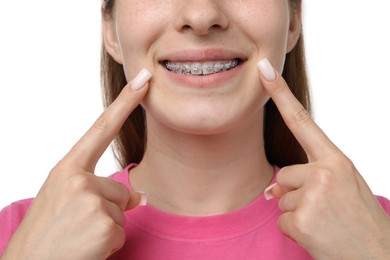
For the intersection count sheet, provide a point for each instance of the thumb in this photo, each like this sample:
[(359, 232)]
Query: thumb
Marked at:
[(273, 191), (136, 198)]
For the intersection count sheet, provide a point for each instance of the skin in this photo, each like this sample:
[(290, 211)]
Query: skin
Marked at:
[(184, 158), (173, 26), (73, 201), (327, 196), (202, 135)]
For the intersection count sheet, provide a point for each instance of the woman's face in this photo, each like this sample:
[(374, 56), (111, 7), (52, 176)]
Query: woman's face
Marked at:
[(203, 55)]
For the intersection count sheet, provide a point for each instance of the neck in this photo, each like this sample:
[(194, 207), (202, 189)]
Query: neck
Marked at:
[(203, 174)]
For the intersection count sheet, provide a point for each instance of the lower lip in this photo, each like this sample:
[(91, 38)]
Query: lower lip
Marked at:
[(204, 81)]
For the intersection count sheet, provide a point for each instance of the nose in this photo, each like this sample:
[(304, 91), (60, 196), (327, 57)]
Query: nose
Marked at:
[(201, 16)]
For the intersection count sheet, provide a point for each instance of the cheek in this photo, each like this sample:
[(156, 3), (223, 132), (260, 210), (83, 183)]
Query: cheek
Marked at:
[(138, 28), (267, 26)]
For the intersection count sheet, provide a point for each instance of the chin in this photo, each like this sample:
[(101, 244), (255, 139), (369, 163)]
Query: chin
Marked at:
[(204, 123), (204, 129), (207, 111)]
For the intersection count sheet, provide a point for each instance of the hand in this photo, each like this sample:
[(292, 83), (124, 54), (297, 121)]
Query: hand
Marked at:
[(77, 215), (327, 206)]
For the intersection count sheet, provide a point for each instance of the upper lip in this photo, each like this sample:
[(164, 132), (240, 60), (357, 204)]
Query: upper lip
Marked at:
[(202, 55)]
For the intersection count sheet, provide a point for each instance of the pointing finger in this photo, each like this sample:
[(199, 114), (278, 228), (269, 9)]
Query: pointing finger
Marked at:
[(313, 140), (91, 146)]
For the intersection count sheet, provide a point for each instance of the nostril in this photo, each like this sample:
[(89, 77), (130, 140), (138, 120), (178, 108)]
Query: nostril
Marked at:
[(215, 26), (186, 27), (201, 19), (202, 30)]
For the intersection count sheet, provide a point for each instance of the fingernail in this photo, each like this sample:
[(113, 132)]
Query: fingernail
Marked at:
[(267, 192), (143, 199), (140, 80), (266, 70)]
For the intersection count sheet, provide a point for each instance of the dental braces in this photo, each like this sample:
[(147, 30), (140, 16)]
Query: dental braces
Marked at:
[(201, 68)]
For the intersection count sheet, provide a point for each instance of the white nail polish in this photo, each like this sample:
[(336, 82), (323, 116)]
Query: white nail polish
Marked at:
[(267, 70), (143, 200), (267, 193), (140, 80)]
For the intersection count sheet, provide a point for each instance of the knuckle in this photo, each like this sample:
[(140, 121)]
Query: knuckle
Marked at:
[(285, 202), (300, 224), (282, 223), (121, 220), (324, 177), (119, 187), (295, 225), (79, 183), (279, 88), (101, 124), (108, 227), (125, 96), (322, 182), (59, 169), (54, 172), (59, 175), (121, 236), (283, 176), (117, 241), (96, 203), (312, 198), (92, 206), (301, 117), (343, 162)]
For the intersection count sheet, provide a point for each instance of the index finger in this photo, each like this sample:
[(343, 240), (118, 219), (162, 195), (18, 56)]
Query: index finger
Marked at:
[(87, 151), (312, 139)]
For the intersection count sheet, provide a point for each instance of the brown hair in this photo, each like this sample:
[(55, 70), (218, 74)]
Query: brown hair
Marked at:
[(280, 145)]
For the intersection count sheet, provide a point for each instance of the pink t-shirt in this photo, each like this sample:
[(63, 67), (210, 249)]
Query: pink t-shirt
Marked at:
[(248, 233)]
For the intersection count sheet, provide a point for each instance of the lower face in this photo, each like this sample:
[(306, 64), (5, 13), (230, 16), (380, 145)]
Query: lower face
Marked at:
[(204, 81)]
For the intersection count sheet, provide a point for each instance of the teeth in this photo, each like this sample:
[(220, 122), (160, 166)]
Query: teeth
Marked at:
[(200, 68), (196, 68)]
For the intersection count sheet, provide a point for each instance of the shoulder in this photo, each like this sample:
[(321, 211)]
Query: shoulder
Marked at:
[(10, 219), (385, 203), (12, 215), (123, 175), (17, 207)]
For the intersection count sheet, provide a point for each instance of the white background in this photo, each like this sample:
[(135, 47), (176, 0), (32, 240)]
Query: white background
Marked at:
[(50, 89)]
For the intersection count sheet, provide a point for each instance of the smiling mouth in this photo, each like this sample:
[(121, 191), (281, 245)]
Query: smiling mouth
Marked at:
[(201, 68)]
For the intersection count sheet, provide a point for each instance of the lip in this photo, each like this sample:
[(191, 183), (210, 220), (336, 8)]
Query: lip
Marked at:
[(202, 55), (202, 81)]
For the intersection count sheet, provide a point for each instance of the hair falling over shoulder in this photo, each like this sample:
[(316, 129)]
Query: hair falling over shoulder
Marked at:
[(281, 147)]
